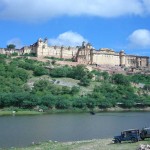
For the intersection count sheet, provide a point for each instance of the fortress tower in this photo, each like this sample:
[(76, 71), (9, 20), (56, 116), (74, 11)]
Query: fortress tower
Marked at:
[(42, 47), (84, 53), (122, 58)]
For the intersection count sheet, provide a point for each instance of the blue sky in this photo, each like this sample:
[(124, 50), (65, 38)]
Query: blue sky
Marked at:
[(115, 24)]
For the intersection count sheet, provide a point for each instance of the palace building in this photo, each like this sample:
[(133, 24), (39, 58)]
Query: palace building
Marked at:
[(85, 54)]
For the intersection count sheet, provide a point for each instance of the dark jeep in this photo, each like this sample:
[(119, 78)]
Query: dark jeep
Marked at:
[(128, 135), (145, 133)]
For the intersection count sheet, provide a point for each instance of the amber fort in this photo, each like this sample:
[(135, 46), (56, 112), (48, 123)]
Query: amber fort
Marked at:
[(84, 54)]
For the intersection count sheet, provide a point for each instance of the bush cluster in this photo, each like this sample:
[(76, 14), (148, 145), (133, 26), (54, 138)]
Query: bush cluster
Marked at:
[(109, 91), (78, 72)]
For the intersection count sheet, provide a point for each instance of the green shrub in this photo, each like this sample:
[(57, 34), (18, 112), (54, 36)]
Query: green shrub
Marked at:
[(14, 54)]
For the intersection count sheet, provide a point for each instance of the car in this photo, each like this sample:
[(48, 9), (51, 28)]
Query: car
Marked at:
[(145, 133), (132, 135)]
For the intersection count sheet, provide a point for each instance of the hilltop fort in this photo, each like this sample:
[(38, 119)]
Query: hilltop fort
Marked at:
[(84, 54)]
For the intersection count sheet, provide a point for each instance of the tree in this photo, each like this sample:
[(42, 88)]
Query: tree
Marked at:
[(78, 72), (104, 103), (74, 90), (11, 46), (39, 71), (90, 103), (140, 78), (20, 73), (61, 71), (146, 100), (2, 56), (41, 85), (30, 101), (2, 70), (63, 102), (79, 102), (147, 87), (65, 90), (48, 101), (120, 79), (85, 81), (105, 75), (14, 54)]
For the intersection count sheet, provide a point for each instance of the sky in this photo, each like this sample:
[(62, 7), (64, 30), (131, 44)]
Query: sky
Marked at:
[(116, 24)]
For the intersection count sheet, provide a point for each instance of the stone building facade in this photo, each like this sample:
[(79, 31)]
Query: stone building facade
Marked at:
[(41, 49), (9, 51), (104, 56), (84, 54)]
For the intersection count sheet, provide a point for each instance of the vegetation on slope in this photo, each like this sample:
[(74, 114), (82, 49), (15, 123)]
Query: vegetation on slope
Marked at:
[(102, 90)]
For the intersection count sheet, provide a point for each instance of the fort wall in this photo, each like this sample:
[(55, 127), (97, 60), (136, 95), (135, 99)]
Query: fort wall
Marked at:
[(84, 54), (2, 51), (105, 58)]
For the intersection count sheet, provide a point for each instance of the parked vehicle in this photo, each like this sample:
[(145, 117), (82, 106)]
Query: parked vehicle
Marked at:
[(128, 135), (145, 133)]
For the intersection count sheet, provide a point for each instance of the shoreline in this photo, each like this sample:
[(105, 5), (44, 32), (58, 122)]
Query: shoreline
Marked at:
[(4, 112), (21, 112), (94, 144)]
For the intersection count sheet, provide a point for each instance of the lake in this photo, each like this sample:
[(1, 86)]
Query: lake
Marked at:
[(20, 131)]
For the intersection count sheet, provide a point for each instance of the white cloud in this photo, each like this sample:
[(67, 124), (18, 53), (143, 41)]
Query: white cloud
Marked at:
[(37, 10), (140, 39), (68, 38), (15, 41)]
